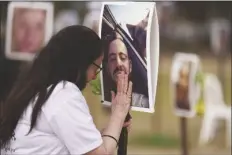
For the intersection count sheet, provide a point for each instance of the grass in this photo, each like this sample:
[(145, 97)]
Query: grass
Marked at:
[(154, 140), (227, 90)]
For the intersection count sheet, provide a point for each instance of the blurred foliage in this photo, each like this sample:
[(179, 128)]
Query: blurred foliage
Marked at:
[(155, 140), (200, 78), (200, 105), (96, 85)]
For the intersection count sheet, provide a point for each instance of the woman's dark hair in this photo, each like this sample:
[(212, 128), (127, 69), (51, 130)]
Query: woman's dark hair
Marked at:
[(66, 57)]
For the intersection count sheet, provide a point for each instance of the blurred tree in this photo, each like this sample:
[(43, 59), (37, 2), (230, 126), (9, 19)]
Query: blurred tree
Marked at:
[(80, 6), (200, 105), (200, 11)]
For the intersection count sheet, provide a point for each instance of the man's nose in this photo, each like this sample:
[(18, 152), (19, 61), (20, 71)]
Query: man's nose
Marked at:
[(119, 61), (30, 33)]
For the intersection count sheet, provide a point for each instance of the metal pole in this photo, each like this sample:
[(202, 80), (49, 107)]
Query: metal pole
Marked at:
[(123, 140), (183, 130)]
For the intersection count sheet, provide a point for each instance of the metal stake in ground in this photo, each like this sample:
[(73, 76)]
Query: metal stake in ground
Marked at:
[(183, 132), (122, 144)]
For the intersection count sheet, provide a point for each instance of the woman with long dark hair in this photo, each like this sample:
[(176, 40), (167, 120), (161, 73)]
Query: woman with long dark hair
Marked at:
[(46, 113)]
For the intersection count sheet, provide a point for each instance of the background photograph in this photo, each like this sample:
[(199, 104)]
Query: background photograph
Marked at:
[(184, 73), (30, 27)]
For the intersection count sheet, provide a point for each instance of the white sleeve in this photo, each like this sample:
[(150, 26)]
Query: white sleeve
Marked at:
[(74, 125)]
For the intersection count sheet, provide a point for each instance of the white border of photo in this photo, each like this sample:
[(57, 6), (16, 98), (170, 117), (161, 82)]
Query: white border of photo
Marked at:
[(23, 56), (193, 88), (152, 52)]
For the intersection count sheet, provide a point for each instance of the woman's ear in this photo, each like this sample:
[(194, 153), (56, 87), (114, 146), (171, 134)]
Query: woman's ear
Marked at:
[(130, 66)]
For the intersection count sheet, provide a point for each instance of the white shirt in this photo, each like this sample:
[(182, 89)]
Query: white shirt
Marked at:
[(65, 126)]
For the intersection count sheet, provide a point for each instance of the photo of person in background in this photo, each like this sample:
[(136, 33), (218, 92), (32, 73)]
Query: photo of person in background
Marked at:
[(182, 87), (118, 60), (28, 29)]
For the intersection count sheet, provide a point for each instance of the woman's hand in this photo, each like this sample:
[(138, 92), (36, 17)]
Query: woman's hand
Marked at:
[(121, 102)]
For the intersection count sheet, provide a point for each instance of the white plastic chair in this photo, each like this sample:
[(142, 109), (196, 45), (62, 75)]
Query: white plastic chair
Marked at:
[(215, 110)]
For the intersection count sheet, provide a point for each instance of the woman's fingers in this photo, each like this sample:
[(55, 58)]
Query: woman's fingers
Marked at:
[(120, 83), (123, 96), (112, 95), (125, 83), (129, 91)]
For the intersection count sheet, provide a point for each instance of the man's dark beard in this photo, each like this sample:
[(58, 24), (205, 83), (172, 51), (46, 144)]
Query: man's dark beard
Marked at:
[(120, 68)]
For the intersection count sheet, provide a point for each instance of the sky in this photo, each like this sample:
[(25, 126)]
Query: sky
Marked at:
[(130, 13)]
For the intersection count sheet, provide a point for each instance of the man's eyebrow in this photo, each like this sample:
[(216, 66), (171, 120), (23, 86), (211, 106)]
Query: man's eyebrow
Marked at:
[(121, 53), (111, 54)]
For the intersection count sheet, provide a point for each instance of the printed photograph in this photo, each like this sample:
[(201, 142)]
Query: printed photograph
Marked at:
[(30, 27), (182, 86), (184, 71), (123, 29)]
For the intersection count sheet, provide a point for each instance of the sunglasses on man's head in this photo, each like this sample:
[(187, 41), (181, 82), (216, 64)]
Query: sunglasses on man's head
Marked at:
[(99, 68)]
